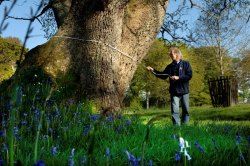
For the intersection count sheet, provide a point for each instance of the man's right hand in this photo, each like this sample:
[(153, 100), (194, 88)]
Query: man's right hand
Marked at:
[(150, 68)]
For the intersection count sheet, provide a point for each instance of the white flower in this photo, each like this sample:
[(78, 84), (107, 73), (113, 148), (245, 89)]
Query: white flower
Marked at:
[(187, 155), (181, 142), (183, 146)]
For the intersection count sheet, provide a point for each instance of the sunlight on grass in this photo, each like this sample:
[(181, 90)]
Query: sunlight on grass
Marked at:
[(73, 135)]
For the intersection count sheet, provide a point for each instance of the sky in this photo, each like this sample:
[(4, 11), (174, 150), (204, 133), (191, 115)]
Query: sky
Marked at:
[(18, 28)]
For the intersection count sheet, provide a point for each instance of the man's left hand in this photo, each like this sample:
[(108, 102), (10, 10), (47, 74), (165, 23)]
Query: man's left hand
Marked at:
[(175, 77)]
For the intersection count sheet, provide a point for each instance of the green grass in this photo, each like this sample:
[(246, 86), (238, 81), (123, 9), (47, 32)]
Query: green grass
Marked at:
[(237, 112), (215, 130)]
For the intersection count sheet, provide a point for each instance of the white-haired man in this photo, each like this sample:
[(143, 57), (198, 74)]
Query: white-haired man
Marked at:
[(179, 73)]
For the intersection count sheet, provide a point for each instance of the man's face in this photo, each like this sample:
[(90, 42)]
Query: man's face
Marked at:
[(174, 56)]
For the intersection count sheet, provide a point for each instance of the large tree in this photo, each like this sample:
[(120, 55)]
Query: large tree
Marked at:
[(99, 43)]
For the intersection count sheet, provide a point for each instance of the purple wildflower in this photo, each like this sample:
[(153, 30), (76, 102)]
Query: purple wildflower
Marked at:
[(4, 123), (107, 153), (71, 161), (24, 122), (119, 129), (71, 158), (86, 130), (132, 159), (70, 101), (50, 130), (128, 122), (49, 103), (242, 158), (36, 112), (199, 147), (150, 163), (8, 105), (110, 118), (54, 150), (1, 160), (19, 96), (40, 163), (73, 152), (94, 117), (119, 116), (2, 134), (56, 113), (84, 160), (177, 156), (238, 138), (16, 131)]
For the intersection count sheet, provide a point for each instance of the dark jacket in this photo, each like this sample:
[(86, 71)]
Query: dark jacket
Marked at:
[(183, 70)]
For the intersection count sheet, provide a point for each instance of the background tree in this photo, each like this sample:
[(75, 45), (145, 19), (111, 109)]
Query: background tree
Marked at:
[(220, 25), (10, 49), (144, 83), (176, 27), (243, 74)]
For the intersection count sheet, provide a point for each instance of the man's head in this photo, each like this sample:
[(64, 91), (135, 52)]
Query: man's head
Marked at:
[(175, 54)]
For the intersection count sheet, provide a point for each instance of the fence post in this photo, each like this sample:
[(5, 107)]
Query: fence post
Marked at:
[(223, 91)]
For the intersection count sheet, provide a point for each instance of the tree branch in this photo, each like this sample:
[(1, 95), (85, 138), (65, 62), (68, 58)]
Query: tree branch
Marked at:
[(1, 1), (175, 37), (47, 7), (6, 12), (60, 9)]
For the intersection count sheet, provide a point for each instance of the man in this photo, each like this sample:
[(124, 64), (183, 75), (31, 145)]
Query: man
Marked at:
[(179, 73)]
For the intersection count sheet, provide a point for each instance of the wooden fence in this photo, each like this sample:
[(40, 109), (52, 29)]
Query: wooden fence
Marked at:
[(223, 91)]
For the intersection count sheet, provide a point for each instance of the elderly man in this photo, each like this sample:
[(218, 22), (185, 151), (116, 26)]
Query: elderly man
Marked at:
[(179, 73)]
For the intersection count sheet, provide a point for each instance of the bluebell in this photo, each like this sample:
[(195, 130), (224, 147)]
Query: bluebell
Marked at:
[(238, 138), (107, 153), (86, 130), (132, 159), (199, 147), (40, 163), (54, 151), (177, 156), (2, 133)]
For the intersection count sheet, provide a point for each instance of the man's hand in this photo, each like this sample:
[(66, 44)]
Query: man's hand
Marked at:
[(150, 68), (174, 78)]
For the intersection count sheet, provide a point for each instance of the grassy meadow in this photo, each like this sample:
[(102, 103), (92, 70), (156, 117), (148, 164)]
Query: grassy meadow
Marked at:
[(72, 134)]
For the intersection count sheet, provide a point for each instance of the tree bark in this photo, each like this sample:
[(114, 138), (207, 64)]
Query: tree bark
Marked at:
[(101, 43)]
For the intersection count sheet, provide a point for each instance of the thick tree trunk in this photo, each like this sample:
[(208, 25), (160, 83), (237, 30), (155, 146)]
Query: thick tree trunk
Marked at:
[(101, 42)]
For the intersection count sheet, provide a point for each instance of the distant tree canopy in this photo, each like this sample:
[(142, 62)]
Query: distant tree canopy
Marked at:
[(243, 74), (204, 66), (10, 50)]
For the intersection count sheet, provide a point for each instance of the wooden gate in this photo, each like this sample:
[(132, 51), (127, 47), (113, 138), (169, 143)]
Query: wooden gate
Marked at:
[(223, 91)]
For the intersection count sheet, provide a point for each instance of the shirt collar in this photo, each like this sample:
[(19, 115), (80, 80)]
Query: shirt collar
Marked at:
[(177, 62)]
